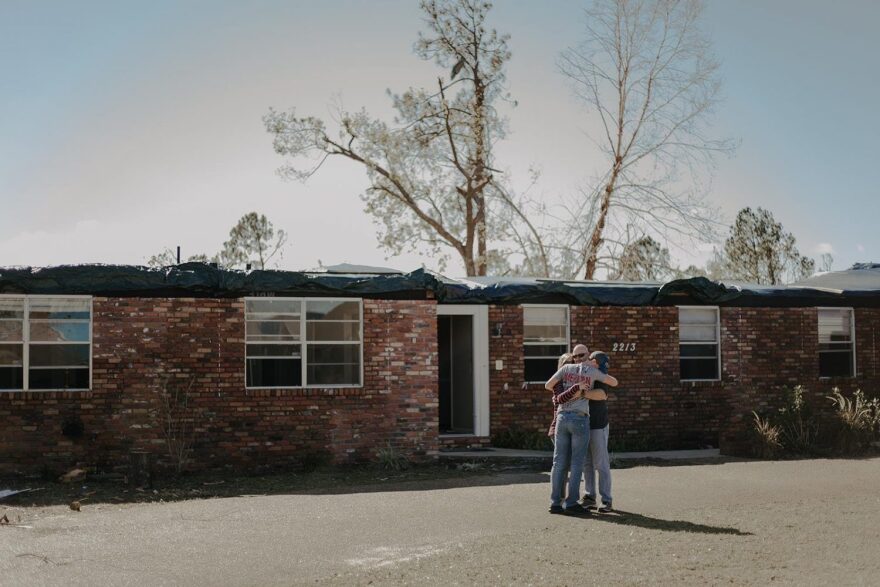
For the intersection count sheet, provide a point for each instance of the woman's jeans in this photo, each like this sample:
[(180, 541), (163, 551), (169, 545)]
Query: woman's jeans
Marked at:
[(597, 461), (572, 441)]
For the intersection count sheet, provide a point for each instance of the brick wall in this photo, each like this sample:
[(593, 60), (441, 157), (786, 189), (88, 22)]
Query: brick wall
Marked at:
[(197, 345), (141, 346), (763, 352)]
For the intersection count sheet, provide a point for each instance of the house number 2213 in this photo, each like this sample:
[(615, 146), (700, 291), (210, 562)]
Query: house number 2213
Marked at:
[(620, 347)]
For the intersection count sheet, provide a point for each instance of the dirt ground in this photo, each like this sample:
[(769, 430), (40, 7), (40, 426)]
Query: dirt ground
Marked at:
[(792, 522)]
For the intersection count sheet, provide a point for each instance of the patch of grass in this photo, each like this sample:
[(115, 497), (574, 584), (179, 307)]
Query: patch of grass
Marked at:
[(392, 460), (632, 443), (521, 439)]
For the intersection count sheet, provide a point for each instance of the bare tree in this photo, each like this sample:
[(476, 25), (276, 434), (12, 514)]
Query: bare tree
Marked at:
[(646, 73), (432, 178), (759, 250), (253, 240), (178, 419), (827, 262)]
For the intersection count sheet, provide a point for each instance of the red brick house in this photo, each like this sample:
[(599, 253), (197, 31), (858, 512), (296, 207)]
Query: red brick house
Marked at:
[(267, 368)]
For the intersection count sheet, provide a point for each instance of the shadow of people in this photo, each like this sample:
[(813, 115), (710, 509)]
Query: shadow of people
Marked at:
[(642, 521)]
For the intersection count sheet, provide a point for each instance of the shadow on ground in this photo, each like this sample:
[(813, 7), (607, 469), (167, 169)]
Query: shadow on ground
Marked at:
[(329, 481), (642, 521)]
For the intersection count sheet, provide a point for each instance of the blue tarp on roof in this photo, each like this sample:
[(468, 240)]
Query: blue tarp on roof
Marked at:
[(858, 286)]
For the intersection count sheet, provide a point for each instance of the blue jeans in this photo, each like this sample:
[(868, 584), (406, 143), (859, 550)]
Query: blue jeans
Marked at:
[(572, 441), (597, 461)]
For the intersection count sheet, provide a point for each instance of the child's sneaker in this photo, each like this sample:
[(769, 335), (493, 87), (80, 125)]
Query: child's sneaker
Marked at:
[(606, 508)]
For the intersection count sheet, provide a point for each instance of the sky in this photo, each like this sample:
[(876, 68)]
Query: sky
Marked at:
[(129, 127)]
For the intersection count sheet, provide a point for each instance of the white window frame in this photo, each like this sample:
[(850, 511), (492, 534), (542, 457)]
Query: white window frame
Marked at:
[(567, 332), (304, 343), (852, 337), (717, 339), (26, 342)]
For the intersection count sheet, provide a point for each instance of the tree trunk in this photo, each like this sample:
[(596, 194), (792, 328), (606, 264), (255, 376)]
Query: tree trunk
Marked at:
[(595, 243)]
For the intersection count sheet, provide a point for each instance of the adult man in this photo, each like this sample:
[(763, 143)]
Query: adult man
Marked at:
[(572, 427)]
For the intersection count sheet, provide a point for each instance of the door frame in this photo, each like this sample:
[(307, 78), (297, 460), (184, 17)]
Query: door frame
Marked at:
[(480, 343)]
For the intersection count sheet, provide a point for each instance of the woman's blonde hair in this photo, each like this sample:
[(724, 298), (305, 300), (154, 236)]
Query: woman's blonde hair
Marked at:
[(564, 359)]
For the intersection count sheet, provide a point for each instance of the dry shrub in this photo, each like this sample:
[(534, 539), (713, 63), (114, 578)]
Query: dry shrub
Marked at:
[(857, 420), (768, 443)]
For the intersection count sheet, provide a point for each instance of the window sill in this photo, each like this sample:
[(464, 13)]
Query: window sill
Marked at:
[(309, 391), (42, 394)]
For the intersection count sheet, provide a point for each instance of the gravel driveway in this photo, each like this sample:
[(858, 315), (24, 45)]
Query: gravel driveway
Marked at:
[(813, 522)]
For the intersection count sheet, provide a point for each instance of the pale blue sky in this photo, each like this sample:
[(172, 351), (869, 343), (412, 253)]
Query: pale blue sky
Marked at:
[(126, 127)]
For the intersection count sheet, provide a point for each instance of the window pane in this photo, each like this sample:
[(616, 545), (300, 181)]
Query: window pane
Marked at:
[(59, 331), (333, 364), (11, 354), (699, 369), (60, 309), (699, 350), (835, 325), (11, 308), (58, 378), (695, 332), (62, 355), (545, 350), (10, 330), (333, 310), (274, 373), (545, 316), (835, 364), (333, 331), (269, 306), (273, 350), (541, 333), (540, 369), (287, 330), (334, 353), (11, 378), (334, 374), (697, 315)]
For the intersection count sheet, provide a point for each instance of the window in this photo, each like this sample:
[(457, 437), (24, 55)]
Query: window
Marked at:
[(836, 356), (297, 342), (545, 337), (698, 330), (45, 343)]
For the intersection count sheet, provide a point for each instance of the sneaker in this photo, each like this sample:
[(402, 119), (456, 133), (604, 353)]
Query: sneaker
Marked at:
[(588, 501), (606, 508), (556, 509), (576, 510)]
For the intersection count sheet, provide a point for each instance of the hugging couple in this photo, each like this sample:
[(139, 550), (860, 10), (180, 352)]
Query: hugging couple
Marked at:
[(577, 389)]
